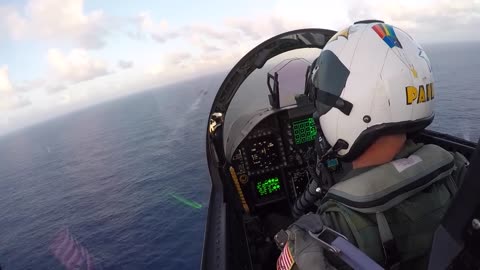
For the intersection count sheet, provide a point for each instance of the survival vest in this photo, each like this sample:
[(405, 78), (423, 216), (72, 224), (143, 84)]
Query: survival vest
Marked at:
[(391, 211)]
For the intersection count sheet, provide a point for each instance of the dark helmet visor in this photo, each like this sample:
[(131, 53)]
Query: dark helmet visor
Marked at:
[(329, 78)]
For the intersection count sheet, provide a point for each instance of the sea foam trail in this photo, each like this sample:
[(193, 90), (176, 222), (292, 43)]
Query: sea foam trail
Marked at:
[(182, 119)]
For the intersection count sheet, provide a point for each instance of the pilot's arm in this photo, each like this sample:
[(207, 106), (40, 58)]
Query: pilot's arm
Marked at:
[(309, 244), (300, 250)]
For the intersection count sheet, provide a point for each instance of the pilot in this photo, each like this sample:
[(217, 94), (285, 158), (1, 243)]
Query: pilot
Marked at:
[(373, 90)]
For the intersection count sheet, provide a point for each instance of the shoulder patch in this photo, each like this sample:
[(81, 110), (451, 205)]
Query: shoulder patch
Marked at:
[(285, 261), (405, 163)]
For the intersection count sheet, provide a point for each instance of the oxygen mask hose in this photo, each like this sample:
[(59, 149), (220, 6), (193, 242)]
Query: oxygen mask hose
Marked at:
[(319, 175), (314, 191)]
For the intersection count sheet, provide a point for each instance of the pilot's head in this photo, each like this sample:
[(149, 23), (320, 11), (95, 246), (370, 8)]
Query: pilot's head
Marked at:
[(371, 80)]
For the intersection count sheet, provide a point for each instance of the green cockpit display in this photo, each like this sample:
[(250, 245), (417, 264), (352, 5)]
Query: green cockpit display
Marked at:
[(268, 186), (304, 130)]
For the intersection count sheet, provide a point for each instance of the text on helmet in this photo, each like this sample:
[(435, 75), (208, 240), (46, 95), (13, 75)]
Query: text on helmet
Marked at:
[(421, 94)]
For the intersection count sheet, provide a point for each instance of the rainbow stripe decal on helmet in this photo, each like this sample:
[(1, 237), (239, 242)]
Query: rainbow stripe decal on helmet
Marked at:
[(386, 32)]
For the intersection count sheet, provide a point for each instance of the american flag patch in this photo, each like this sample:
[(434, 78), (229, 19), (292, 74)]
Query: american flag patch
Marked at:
[(285, 261)]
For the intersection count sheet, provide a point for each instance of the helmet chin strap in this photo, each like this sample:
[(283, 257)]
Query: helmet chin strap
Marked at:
[(339, 145), (321, 144)]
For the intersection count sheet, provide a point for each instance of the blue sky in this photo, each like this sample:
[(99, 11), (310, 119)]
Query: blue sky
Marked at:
[(59, 55)]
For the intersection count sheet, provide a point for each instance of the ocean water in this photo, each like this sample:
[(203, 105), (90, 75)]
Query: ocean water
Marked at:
[(115, 176), (456, 68), (128, 179)]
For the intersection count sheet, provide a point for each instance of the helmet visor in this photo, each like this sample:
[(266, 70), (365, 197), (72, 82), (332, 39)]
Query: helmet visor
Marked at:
[(329, 78)]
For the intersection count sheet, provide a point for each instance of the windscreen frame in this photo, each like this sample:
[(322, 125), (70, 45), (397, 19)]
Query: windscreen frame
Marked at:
[(256, 59)]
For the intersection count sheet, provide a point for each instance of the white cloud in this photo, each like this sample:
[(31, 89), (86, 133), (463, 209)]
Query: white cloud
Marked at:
[(198, 30), (75, 66), (197, 47), (430, 20), (18, 101), (56, 20), (146, 26), (427, 21), (56, 88), (316, 13), (195, 32), (286, 15), (178, 66), (29, 85), (169, 64), (177, 58), (66, 69), (436, 21), (155, 69), (12, 102), (9, 100), (5, 84), (163, 37), (123, 64), (217, 47)]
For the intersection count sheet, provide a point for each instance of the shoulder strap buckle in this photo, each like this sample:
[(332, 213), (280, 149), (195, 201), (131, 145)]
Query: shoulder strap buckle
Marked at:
[(392, 256), (281, 239), (329, 235), (346, 251)]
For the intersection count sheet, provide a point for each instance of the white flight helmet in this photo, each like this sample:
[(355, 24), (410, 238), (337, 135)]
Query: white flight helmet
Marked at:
[(371, 79)]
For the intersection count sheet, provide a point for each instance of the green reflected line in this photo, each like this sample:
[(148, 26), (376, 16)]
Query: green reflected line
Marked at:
[(186, 202)]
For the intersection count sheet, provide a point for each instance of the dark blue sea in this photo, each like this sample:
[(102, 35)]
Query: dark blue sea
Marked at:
[(128, 178)]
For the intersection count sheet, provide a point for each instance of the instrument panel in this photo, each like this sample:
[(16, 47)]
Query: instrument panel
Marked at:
[(264, 153), (270, 163)]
